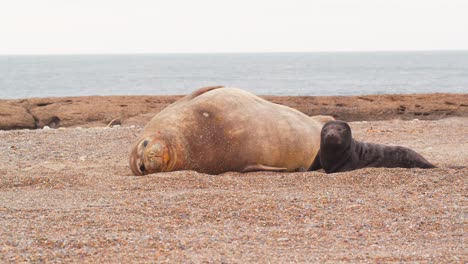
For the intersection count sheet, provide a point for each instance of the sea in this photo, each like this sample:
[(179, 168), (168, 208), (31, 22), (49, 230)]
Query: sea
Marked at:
[(310, 74)]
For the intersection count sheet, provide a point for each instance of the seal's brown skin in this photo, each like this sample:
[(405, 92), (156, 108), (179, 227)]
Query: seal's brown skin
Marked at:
[(340, 152), (215, 130)]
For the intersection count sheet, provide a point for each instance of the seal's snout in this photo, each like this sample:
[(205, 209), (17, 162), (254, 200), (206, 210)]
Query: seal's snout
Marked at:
[(332, 137), (154, 152), (137, 158), (155, 157), (142, 168), (149, 156)]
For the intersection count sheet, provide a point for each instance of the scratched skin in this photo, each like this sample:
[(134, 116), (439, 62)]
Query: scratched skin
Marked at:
[(215, 130)]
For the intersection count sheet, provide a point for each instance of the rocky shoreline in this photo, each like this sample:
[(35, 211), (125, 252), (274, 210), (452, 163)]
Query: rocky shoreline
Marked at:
[(95, 111), (68, 195)]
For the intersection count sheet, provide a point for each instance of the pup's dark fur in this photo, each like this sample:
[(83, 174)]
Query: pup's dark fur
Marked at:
[(340, 152)]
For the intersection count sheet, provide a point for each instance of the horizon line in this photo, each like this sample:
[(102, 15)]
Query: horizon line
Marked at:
[(230, 52)]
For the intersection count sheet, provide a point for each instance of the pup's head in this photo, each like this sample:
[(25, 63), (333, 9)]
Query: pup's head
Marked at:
[(335, 133)]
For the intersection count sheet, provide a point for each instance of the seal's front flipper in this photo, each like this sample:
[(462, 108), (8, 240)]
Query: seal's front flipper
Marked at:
[(202, 91), (259, 167), (316, 165), (301, 169)]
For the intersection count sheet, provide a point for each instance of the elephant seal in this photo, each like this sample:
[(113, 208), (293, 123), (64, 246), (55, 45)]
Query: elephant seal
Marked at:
[(217, 129), (340, 152)]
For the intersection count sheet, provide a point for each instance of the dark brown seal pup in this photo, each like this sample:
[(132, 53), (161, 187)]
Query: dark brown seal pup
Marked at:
[(340, 152), (215, 130)]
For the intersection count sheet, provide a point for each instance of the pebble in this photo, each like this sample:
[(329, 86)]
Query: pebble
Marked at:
[(46, 128)]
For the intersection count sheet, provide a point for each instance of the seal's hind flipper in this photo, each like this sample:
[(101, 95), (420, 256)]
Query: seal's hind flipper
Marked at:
[(322, 119), (202, 91), (259, 167)]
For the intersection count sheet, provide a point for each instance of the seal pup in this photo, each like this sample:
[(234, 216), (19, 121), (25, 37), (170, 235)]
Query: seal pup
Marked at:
[(216, 130), (340, 152)]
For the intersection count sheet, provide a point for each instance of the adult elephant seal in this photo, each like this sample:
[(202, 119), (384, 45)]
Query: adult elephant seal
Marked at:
[(216, 129), (340, 152)]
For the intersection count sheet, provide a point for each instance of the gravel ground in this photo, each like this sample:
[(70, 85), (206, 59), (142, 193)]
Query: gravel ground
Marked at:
[(67, 195)]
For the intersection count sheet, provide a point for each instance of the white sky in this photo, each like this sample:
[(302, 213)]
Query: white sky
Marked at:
[(153, 26)]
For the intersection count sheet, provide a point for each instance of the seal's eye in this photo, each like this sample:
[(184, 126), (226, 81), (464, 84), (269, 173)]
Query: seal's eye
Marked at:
[(145, 143)]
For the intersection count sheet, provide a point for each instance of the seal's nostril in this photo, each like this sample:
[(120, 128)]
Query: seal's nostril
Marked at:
[(145, 143)]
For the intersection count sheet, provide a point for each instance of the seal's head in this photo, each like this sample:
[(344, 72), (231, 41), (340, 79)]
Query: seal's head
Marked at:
[(150, 155), (336, 133)]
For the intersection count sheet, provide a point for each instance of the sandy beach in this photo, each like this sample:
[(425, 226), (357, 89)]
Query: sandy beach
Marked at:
[(67, 193)]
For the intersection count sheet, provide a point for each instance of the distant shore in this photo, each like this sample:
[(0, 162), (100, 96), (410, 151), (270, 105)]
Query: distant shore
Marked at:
[(95, 111)]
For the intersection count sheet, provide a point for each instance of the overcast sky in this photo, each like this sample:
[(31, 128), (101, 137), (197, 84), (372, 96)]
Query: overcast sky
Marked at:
[(153, 26)]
